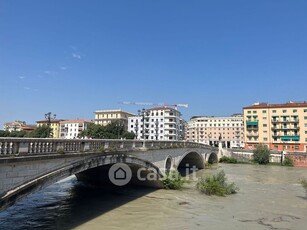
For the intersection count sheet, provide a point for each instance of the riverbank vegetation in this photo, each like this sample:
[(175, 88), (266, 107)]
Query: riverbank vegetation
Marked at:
[(173, 180), (261, 154), (216, 184), (229, 160), (288, 162)]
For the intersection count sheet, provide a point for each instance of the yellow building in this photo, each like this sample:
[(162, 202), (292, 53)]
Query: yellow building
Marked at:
[(54, 126), (279, 126), (104, 117)]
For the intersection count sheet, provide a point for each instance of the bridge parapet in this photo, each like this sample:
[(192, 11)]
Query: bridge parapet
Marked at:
[(34, 146)]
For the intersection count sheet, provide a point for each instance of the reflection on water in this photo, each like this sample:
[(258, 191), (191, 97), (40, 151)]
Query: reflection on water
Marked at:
[(269, 198)]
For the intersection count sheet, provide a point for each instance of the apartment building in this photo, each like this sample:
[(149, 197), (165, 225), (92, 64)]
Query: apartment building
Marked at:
[(104, 117), (17, 126), (54, 126), (210, 130), (279, 126), (160, 123), (70, 129)]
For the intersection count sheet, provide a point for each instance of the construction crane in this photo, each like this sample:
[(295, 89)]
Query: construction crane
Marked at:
[(154, 104)]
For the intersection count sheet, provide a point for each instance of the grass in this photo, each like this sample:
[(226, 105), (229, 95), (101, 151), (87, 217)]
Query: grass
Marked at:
[(216, 185)]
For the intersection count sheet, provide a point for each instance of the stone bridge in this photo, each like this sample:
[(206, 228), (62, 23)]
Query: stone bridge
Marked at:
[(28, 165)]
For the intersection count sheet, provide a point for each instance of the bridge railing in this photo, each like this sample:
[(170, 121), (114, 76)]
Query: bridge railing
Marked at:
[(33, 146)]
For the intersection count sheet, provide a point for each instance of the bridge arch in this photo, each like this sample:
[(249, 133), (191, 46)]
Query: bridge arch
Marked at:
[(212, 158), (190, 159), (78, 168)]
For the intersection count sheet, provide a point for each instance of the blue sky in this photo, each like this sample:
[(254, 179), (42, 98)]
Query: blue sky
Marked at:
[(73, 57)]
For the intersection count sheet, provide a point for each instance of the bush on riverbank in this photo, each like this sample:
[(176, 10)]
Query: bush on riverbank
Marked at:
[(304, 184), (261, 154), (288, 162), (229, 160), (216, 185), (173, 180)]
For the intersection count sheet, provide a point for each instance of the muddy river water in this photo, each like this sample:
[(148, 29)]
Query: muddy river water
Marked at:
[(270, 197)]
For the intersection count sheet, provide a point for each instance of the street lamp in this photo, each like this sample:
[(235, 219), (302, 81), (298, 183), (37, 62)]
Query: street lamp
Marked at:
[(118, 125), (210, 135), (157, 129), (48, 117), (136, 128), (143, 113)]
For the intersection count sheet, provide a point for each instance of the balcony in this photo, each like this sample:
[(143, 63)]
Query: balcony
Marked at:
[(274, 121), (252, 127), (285, 128), (255, 134), (287, 137)]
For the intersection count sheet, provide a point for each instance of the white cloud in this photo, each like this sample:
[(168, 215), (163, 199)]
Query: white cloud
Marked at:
[(50, 73), (21, 77), (76, 55)]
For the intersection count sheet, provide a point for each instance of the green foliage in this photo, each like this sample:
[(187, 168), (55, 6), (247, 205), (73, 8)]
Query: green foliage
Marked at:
[(229, 160), (13, 133), (40, 132), (173, 180), (304, 184), (216, 185), (288, 162), (60, 151), (113, 130), (261, 154)]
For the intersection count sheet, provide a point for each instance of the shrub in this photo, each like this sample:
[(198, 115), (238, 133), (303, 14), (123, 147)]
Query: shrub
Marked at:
[(262, 154), (230, 160), (60, 150), (288, 162), (173, 180), (216, 185)]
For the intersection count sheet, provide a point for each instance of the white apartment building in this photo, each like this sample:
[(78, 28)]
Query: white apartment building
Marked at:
[(159, 124), (211, 130), (70, 129)]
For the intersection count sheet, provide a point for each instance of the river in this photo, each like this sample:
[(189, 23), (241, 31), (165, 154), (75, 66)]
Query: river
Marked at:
[(270, 197)]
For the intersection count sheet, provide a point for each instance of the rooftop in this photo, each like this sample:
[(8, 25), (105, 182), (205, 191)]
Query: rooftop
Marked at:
[(290, 104)]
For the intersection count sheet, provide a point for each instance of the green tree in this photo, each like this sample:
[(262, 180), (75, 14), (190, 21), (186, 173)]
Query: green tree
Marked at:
[(261, 154), (40, 132), (4, 133), (113, 130)]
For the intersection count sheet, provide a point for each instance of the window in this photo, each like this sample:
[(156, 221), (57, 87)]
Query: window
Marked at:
[(276, 146), (274, 111), (294, 110), (263, 111), (284, 111), (305, 110), (305, 117), (265, 139), (265, 125), (296, 147), (264, 118), (265, 131), (254, 111)]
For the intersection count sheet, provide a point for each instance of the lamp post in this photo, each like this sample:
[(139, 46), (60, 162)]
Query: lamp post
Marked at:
[(210, 135), (143, 113), (136, 128), (157, 129), (118, 125), (48, 117)]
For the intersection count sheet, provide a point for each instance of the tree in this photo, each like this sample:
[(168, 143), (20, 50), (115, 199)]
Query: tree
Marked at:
[(40, 132), (113, 130), (261, 154)]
